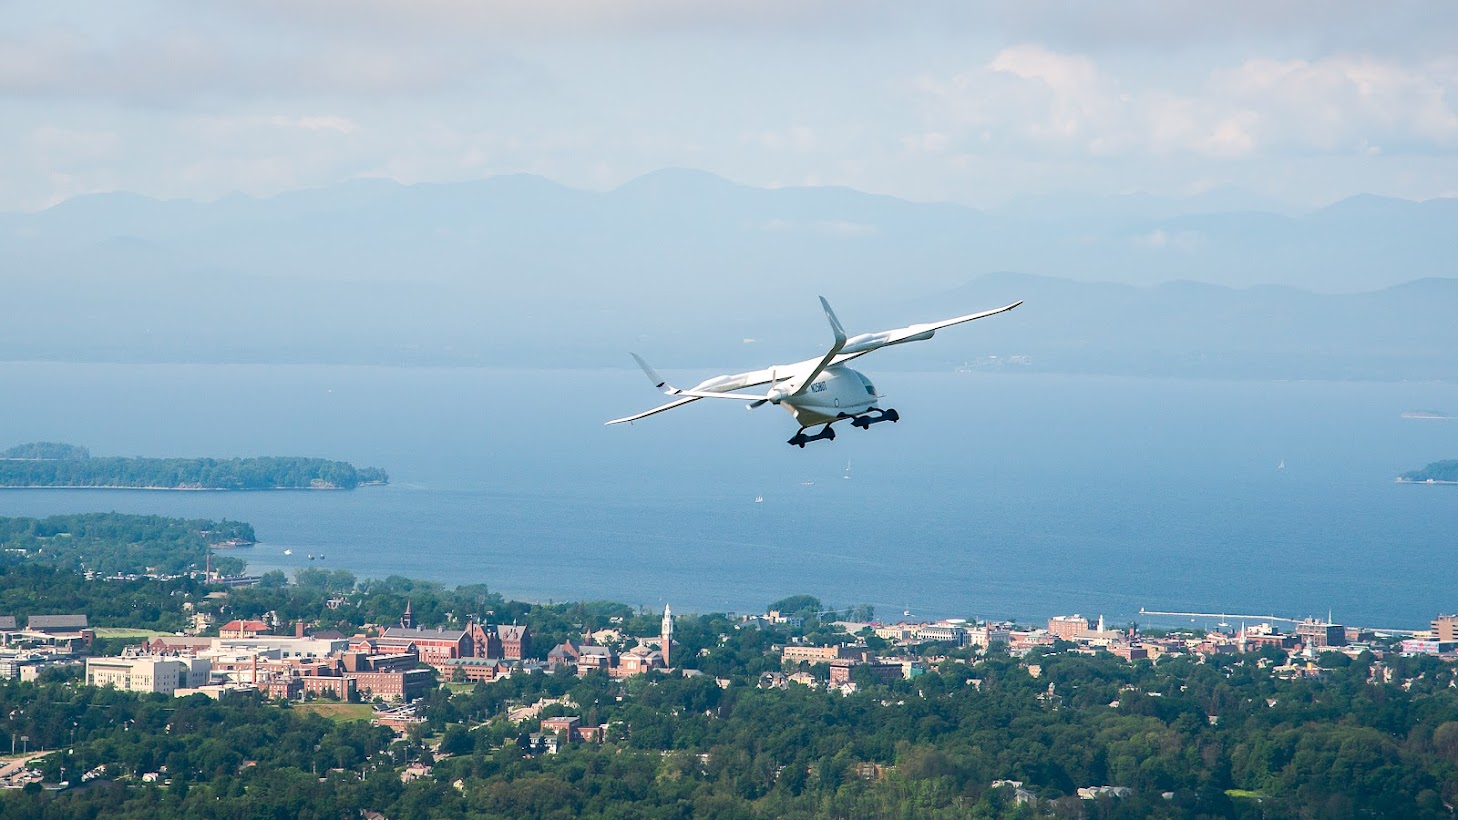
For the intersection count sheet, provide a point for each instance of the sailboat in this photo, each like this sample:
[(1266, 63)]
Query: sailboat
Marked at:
[(847, 469), (759, 499), (1282, 465)]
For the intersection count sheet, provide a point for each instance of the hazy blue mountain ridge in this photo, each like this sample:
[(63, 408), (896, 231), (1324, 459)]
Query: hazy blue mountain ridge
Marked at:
[(684, 266)]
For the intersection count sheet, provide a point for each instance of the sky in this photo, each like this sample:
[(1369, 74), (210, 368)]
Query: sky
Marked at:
[(981, 104)]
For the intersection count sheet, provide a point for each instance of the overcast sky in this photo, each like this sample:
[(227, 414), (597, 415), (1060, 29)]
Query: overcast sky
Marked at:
[(977, 103)]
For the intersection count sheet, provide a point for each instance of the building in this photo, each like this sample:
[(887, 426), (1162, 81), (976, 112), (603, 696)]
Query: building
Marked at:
[(569, 728), (436, 646), (1428, 646), (1256, 640), (395, 686), (665, 634), (1068, 627), (797, 653), (954, 633), (56, 624), (590, 658), (55, 628), (475, 670), (1319, 634), (178, 645), (286, 646), (508, 641), (244, 629), (639, 660), (883, 671), (516, 642), (989, 634), (149, 673), (1445, 628), (1130, 652), (893, 632), (485, 640)]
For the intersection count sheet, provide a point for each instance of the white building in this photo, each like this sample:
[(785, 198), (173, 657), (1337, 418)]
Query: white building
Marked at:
[(285, 646), (149, 673), (988, 634)]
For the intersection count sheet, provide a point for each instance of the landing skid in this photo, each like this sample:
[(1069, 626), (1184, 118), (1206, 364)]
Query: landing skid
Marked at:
[(863, 420), (800, 439)]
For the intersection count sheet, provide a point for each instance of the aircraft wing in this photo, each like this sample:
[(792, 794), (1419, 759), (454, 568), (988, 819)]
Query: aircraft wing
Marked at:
[(860, 345), (659, 409), (796, 376)]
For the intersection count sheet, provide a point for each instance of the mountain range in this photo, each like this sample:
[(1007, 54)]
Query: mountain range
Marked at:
[(693, 270)]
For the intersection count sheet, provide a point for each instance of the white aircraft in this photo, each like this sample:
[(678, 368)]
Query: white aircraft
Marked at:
[(815, 391)]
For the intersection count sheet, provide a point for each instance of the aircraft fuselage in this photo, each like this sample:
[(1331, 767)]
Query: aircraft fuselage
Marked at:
[(837, 392)]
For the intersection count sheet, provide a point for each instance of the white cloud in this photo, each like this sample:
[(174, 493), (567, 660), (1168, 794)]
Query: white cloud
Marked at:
[(1160, 239), (342, 125), (1067, 102), (795, 138), (1338, 103), (940, 101)]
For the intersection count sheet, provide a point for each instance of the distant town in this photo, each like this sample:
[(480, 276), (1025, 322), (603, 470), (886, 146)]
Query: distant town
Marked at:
[(399, 663), (196, 687)]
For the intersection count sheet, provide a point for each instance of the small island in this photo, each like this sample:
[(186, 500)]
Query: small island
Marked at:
[(50, 465), (1439, 472)]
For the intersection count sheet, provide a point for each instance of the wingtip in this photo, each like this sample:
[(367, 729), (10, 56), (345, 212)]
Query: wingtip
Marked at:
[(835, 326), (652, 374)]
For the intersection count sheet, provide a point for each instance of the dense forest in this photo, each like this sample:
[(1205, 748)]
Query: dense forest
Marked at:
[(48, 450), (47, 464), (110, 543), (1437, 471)]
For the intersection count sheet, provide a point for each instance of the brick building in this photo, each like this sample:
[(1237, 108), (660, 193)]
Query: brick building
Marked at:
[(244, 629), (475, 670), (407, 685), (1067, 627), (434, 645), (841, 670)]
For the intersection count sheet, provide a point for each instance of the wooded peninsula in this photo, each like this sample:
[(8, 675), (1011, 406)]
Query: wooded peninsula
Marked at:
[(112, 543), (53, 465), (1438, 471)]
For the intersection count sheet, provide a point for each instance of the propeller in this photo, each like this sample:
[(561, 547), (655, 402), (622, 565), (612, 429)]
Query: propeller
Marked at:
[(766, 399)]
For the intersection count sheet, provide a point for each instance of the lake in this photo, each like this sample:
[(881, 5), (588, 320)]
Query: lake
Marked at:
[(998, 495)]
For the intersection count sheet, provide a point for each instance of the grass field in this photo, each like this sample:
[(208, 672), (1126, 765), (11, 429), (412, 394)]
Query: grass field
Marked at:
[(1249, 795), (337, 712), (123, 632)]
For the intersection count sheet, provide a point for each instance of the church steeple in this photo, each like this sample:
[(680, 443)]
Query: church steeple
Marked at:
[(407, 621)]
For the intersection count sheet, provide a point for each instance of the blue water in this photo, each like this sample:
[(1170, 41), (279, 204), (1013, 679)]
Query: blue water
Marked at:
[(996, 496)]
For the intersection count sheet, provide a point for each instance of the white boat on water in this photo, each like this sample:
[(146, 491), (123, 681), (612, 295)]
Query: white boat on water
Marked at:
[(759, 499), (288, 552)]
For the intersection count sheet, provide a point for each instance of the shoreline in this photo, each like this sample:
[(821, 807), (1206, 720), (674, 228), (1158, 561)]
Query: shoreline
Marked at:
[(1401, 480)]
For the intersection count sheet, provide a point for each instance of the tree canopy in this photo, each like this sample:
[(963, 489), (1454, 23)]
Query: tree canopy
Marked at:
[(269, 473)]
